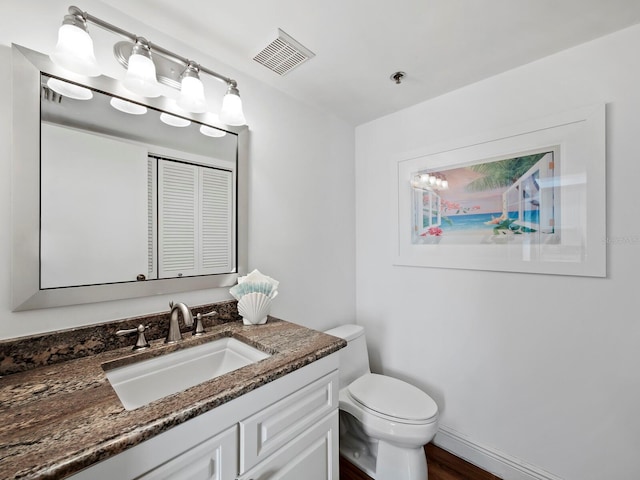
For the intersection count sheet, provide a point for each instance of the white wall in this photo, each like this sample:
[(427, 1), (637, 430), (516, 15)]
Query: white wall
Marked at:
[(301, 206), (540, 371)]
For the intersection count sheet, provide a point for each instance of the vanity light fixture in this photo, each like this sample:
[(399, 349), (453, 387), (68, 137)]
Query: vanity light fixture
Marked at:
[(192, 91), (147, 65), (231, 112), (74, 50), (141, 71)]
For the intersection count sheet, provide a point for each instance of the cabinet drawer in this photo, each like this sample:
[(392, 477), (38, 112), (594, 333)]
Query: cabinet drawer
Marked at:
[(269, 429), (213, 459)]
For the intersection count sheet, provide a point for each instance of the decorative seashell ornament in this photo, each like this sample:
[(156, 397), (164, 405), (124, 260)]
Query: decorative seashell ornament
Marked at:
[(254, 308), (254, 293)]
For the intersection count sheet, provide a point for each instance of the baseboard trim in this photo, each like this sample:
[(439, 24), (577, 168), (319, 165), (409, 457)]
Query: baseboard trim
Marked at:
[(487, 458)]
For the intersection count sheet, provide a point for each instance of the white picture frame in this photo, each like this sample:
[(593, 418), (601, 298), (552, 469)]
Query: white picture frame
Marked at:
[(574, 245)]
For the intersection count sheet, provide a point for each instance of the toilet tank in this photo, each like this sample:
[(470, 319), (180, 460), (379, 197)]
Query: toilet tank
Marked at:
[(354, 358)]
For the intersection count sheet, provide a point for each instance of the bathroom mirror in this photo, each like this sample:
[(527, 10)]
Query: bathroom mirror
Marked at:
[(110, 204)]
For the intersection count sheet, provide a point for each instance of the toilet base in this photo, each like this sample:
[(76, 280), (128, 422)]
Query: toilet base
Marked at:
[(380, 459), (400, 463), (365, 462), (384, 461)]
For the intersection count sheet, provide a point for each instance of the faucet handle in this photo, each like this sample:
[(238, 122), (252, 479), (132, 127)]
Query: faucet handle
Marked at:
[(141, 342), (199, 328)]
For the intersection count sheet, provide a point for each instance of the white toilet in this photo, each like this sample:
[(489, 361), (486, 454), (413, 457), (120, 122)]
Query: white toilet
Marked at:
[(384, 422)]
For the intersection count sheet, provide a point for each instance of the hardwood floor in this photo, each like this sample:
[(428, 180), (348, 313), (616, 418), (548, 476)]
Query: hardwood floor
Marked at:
[(446, 466), (442, 466)]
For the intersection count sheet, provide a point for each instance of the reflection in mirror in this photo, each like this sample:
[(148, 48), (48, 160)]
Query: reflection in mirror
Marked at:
[(114, 202), (130, 193)]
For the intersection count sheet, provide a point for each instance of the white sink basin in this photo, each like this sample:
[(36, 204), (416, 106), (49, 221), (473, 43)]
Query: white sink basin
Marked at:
[(143, 382)]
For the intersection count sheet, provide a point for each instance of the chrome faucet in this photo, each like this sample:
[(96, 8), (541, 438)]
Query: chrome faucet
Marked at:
[(174, 334)]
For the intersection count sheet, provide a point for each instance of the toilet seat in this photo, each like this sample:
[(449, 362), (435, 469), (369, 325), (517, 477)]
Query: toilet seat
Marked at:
[(392, 399)]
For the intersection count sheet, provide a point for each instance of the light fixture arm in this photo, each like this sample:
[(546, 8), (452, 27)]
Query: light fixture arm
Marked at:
[(87, 17)]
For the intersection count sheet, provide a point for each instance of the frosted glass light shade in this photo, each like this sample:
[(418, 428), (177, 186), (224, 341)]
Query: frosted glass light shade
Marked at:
[(192, 95), (231, 112), (141, 76), (74, 51), (69, 90), (173, 120), (127, 107), (211, 132)]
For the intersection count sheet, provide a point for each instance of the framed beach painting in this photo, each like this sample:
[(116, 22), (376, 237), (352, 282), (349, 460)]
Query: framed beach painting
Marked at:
[(530, 198)]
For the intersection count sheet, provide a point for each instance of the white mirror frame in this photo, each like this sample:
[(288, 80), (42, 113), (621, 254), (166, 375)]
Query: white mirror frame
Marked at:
[(25, 198)]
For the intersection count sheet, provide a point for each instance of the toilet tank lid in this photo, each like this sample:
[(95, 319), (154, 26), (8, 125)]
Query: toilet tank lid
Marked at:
[(347, 332)]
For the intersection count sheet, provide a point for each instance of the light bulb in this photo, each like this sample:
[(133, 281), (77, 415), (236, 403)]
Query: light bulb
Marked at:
[(192, 92), (231, 112), (141, 72), (74, 50)]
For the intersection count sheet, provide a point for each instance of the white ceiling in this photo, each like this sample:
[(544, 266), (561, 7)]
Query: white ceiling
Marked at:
[(441, 44)]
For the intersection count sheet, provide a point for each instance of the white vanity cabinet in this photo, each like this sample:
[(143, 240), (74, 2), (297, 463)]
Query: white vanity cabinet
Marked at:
[(286, 429)]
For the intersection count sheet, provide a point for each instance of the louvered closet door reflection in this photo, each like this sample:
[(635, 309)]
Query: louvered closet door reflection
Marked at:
[(177, 224), (215, 221), (195, 220)]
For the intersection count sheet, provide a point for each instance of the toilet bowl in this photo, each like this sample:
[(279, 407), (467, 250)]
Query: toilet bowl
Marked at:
[(384, 422)]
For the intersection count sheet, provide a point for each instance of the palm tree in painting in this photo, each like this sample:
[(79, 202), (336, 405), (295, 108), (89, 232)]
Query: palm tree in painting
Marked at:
[(502, 173)]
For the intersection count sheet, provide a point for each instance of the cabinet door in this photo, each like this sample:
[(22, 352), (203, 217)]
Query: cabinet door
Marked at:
[(268, 430), (213, 459), (311, 456)]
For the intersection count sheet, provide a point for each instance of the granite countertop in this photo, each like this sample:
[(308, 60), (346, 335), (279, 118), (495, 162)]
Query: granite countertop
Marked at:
[(57, 419)]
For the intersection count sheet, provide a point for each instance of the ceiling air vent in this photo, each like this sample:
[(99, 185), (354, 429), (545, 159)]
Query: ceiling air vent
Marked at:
[(283, 54)]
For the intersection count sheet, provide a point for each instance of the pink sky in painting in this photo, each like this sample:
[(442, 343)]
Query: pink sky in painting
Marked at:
[(489, 201)]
